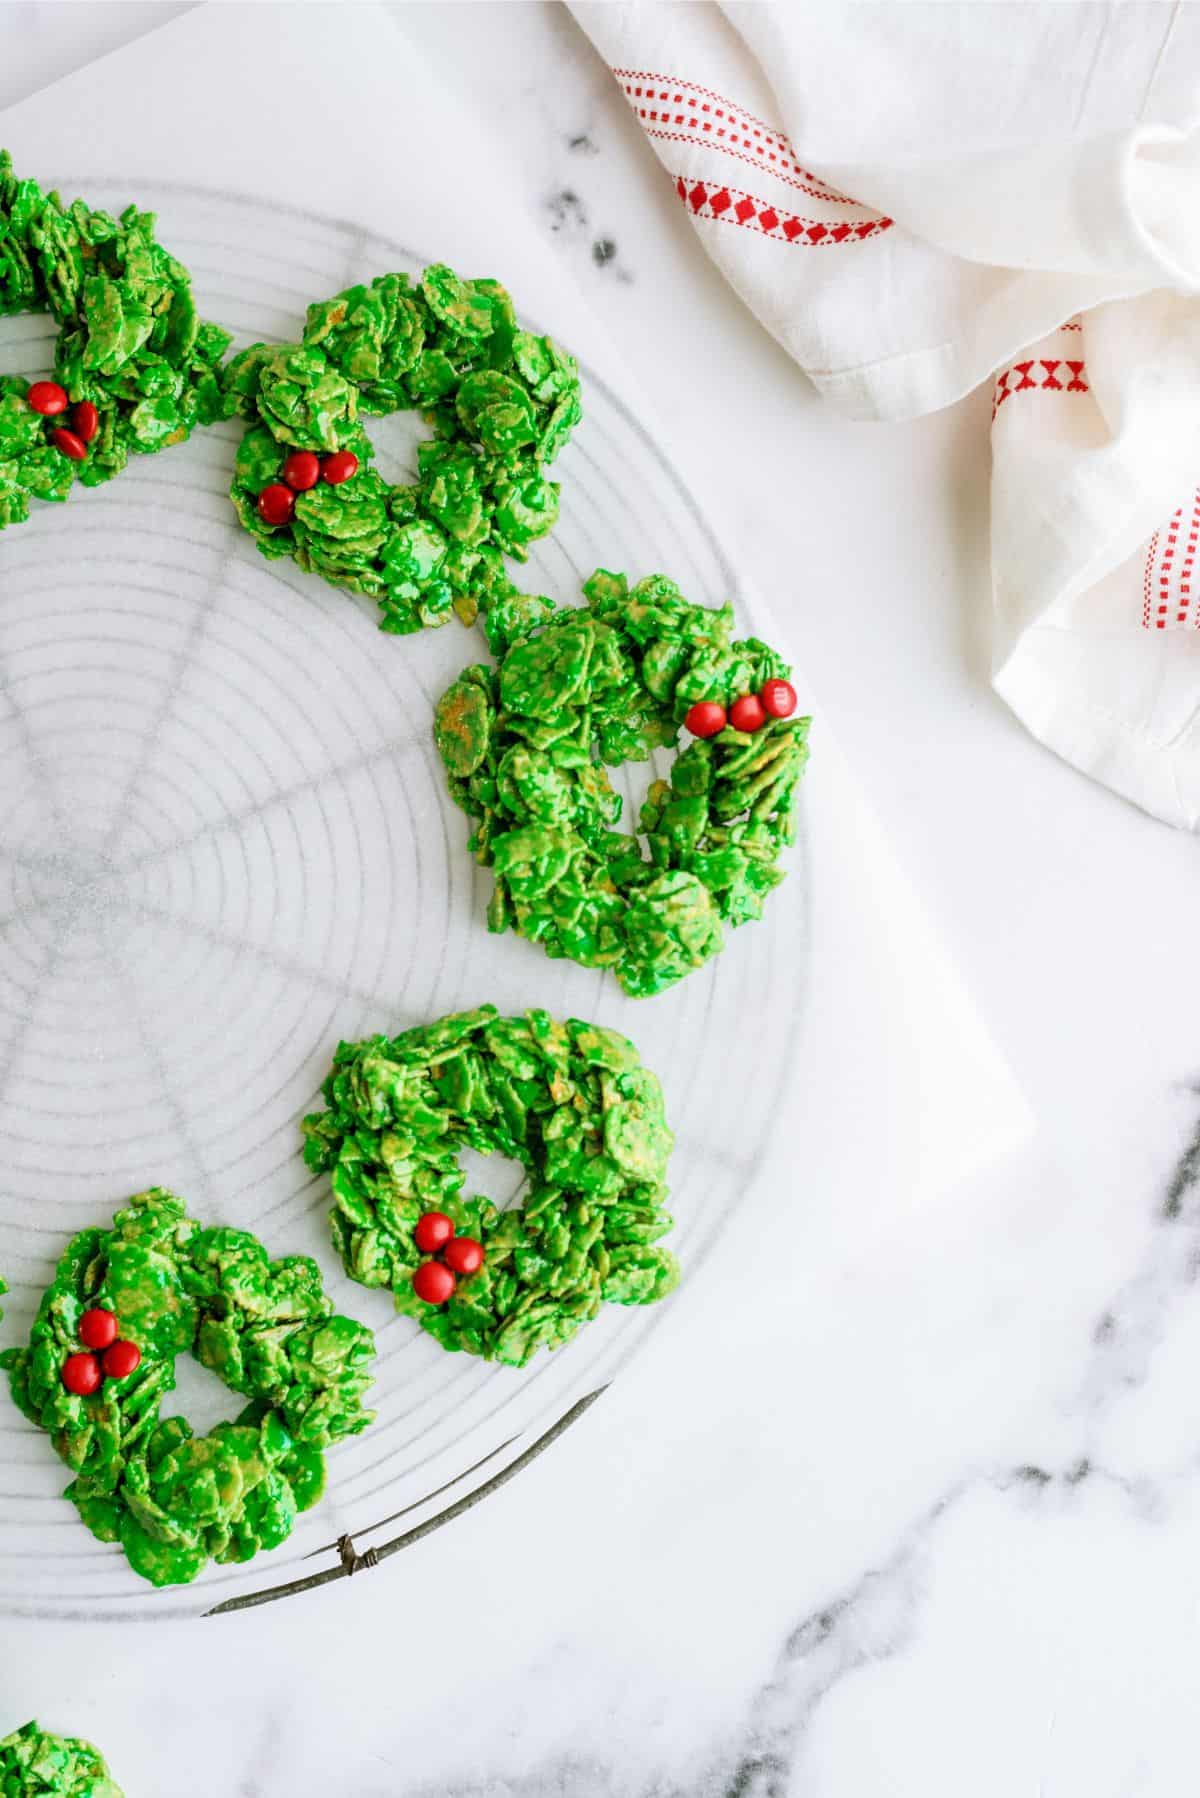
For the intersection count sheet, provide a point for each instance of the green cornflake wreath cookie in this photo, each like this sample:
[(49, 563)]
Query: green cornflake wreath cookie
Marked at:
[(173, 1500), (571, 1102), (525, 747), (501, 401), (134, 368), (35, 1764)]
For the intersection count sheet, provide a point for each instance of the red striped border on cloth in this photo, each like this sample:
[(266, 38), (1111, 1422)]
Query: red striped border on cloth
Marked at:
[(1169, 597), (675, 110)]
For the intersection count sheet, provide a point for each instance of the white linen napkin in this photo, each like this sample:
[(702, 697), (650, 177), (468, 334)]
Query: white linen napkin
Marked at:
[(917, 199)]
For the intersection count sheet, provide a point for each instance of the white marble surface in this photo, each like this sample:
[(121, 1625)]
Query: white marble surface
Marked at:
[(914, 1509)]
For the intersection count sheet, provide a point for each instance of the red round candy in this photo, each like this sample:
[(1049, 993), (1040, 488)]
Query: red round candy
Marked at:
[(705, 718), (276, 504), (81, 1374), (778, 698), (120, 1360), (86, 420), (339, 467), (302, 470), (433, 1282), (69, 443), (48, 398), (464, 1255), (433, 1232), (97, 1328), (747, 713)]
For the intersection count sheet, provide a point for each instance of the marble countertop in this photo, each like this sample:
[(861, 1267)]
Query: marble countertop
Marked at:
[(919, 1512)]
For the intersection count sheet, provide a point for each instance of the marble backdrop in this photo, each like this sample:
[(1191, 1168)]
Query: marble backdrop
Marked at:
[(906, 1500)]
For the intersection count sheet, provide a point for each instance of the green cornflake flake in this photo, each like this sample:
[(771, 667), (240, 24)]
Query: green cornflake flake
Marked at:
[(526, 746), (305, 402), (35, 1764), (463, 722), (175, 1501), (570, 1101), (129, 341), (501, 403)]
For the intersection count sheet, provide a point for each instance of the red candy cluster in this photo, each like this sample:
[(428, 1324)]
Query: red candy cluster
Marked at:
[(435, 1281), (775, 699), (108, 1355), (49, 400), (302, 470)]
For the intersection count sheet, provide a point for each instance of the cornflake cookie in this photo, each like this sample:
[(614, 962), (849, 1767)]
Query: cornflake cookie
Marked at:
[(571, 1102), (35, 1764), (134, 367), (100, 1361), (525, 747), (501, 402)]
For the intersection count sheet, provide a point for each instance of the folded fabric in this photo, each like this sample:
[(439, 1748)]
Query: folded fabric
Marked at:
[(918, 199)]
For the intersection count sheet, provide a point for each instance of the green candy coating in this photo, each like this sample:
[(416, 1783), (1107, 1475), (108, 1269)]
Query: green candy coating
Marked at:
[(525, 748), (571, 1102), (173, 1500), (501, 402), (129, 340), (35, 1764)]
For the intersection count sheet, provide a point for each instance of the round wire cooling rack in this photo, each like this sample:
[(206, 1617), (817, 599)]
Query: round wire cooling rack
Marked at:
[(225, 844)]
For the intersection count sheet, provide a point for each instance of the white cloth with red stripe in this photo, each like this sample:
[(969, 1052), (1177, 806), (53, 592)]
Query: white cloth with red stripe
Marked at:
[(1026, 208)]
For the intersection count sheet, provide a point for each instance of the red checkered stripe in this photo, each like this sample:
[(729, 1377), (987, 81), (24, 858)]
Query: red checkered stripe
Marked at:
[(671, 109), (731, 206), (1168, 602), (1045, 374), (652, 80), (668, 106)]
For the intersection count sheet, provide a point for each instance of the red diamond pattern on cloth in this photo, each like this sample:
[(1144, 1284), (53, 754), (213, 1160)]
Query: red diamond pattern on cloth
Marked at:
[(730, 206), (1169, 583)]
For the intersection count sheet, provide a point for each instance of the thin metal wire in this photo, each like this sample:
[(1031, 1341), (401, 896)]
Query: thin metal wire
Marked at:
[(350, 1563)]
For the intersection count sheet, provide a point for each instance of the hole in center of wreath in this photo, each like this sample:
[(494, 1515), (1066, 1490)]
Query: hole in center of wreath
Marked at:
[(394, 440), (27, 345), (498, 1179), (201, 1398)]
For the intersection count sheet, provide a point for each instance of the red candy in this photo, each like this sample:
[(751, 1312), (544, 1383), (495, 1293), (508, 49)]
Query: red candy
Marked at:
[(433, 1283), (339, 467), (276, 504), (747, 713), (86, 420), (69, 443), (464, 1255), (433, 1232), (705, 718), (97, 1328), (302, 470), (81, 1374), (778, 698), (48, 398), (120, 1360)]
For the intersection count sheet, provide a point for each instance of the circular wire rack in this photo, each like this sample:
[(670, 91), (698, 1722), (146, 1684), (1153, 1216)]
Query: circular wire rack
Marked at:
[(225, 844)]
